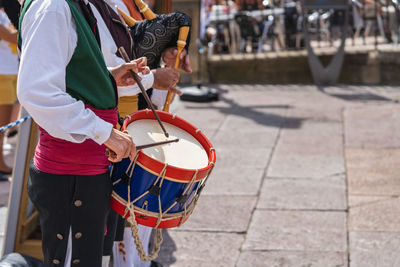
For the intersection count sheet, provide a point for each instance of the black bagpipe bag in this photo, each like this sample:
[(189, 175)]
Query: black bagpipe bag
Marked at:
[(152, 37)]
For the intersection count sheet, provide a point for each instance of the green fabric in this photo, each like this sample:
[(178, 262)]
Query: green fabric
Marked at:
[(26, 4), (87, 77)]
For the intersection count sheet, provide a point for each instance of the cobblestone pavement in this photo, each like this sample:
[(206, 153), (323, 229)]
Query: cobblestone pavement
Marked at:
[(305, 176)]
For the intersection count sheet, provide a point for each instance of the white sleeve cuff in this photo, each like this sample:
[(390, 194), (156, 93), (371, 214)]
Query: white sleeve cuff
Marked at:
[(147, 81), (102, 131)]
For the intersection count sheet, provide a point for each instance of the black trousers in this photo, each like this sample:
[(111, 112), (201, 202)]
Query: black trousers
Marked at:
[(115, 232), (79, 204)]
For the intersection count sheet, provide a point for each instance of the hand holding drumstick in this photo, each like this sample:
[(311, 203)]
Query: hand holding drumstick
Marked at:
[(112, 154), (122, 145)]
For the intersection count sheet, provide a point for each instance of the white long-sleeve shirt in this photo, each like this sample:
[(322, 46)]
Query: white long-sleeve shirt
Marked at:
[(49, 39)]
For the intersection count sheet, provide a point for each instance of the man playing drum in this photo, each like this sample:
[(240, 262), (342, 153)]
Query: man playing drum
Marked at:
[(161, 78), (112, 36), (65, 86)]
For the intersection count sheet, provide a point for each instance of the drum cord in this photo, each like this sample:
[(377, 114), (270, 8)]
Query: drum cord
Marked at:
[(156, 190), (205, 181), (158, 239)]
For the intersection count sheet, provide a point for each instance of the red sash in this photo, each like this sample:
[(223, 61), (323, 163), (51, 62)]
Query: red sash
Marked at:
[(58, 156)]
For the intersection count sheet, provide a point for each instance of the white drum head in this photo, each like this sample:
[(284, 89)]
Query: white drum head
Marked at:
[(188, 153)]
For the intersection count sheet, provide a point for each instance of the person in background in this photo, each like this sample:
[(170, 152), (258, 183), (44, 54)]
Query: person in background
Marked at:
[(251, 27), (113, 36), (8, 80), (250, 5), (124, 250)]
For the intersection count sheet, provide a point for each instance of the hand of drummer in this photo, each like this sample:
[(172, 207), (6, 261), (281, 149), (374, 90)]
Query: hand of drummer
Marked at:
[(122, 73), (166, 79), (120, 146), (169, 57)]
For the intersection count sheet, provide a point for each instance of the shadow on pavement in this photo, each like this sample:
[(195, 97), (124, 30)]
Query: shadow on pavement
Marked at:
[(356, 96), (251, 112), (168, 247)]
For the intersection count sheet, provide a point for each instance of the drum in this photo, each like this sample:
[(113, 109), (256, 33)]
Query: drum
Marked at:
[(162, 185)]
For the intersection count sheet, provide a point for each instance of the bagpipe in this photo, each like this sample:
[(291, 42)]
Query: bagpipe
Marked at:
[(162, 185), (157, 33)]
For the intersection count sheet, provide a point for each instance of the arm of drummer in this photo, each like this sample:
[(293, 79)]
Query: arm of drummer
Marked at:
[(41, 84)]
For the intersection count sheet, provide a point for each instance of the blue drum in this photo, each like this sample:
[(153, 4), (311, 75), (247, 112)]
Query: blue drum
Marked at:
[(160, 193)]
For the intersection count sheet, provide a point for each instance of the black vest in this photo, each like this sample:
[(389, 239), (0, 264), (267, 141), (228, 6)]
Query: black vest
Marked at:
[(115, 26)]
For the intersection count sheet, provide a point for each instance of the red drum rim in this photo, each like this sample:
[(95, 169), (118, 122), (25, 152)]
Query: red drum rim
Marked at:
[(173, 173), (150, 219)]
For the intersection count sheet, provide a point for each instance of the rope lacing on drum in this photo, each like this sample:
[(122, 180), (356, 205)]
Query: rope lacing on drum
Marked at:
[(188, 189), (203, 184), (158, 239), (181, 200)]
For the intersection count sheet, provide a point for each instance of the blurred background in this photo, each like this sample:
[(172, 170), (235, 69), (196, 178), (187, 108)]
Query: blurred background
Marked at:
[(301, 102)]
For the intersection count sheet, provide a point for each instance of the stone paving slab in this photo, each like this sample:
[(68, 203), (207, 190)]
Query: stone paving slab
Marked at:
[(356, 96), (314, 150), (327, 193), (209, 121), (264, 96), (359, 200), (373, 171), (291, 259), (373, 127), (377, 216), (301, 218), (252, 139), (252, 122), (221, 214), (303, 166), (234, 180), (374, 249), (189, 249), (391, 92), (228, 156), (297, 231)]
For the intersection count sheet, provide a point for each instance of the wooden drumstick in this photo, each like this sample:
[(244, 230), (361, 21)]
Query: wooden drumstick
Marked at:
[(114, 155), (145, 10), (137, 79), (183, 34)]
